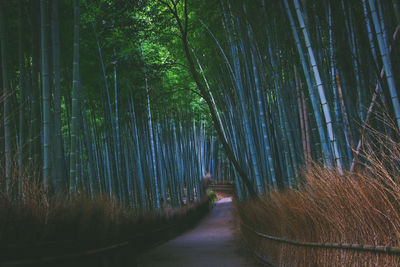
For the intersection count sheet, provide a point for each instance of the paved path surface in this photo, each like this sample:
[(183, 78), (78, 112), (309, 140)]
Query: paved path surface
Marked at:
[(212, 243)]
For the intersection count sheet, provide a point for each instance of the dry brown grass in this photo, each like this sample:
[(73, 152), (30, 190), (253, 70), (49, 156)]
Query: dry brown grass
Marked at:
[(34, 222), (78, 220), (361, 207)]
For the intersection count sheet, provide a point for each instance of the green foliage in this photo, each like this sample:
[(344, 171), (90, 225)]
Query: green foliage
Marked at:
[(212, 196), (123, 27)]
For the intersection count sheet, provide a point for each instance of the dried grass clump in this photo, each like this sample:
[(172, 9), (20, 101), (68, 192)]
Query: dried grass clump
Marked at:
[(361, 207), (36, 223)]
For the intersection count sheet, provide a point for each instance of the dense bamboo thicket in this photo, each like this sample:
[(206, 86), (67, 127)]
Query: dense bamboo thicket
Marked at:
[(297, 81), (285, 83), (94, 105), (135, 101), (296, 86)]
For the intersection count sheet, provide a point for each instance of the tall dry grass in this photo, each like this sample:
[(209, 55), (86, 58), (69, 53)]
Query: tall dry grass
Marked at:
[(35, 223), (361, 207)]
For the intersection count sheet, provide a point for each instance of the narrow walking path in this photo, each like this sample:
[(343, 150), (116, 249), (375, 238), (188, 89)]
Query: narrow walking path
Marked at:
[(212, 243)]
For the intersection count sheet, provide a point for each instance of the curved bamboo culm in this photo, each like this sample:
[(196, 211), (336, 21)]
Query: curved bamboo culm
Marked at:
[(209, 91), (229, 152), (233, 136), (242, 99), (233, 76)]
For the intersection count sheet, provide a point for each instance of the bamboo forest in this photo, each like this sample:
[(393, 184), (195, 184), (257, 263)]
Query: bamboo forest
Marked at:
[(193, 133)]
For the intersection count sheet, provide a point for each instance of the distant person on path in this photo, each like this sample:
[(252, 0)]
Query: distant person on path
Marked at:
[(205, 182)]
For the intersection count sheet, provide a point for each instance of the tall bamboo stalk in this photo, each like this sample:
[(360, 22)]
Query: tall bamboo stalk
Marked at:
[(384, 51), (60, 168), (321, 92), (45, 83), (74, 156), (6, 101)]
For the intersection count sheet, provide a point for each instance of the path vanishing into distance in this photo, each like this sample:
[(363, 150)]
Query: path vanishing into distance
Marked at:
[(213, 242)]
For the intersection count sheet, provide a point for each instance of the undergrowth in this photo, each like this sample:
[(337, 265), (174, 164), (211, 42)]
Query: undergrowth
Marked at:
[(34, 223), (77, 219), (362, 207)]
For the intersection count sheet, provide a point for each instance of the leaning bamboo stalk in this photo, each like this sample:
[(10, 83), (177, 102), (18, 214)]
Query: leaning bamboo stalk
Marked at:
[(307, 128), (239, 85), (301, 118), (345, 114), (384, 51), (370, 108)]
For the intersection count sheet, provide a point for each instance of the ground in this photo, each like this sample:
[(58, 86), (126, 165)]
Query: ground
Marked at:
[(214, 242)]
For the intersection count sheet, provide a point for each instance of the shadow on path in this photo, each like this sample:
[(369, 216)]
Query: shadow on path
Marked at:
[(213, 242)]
